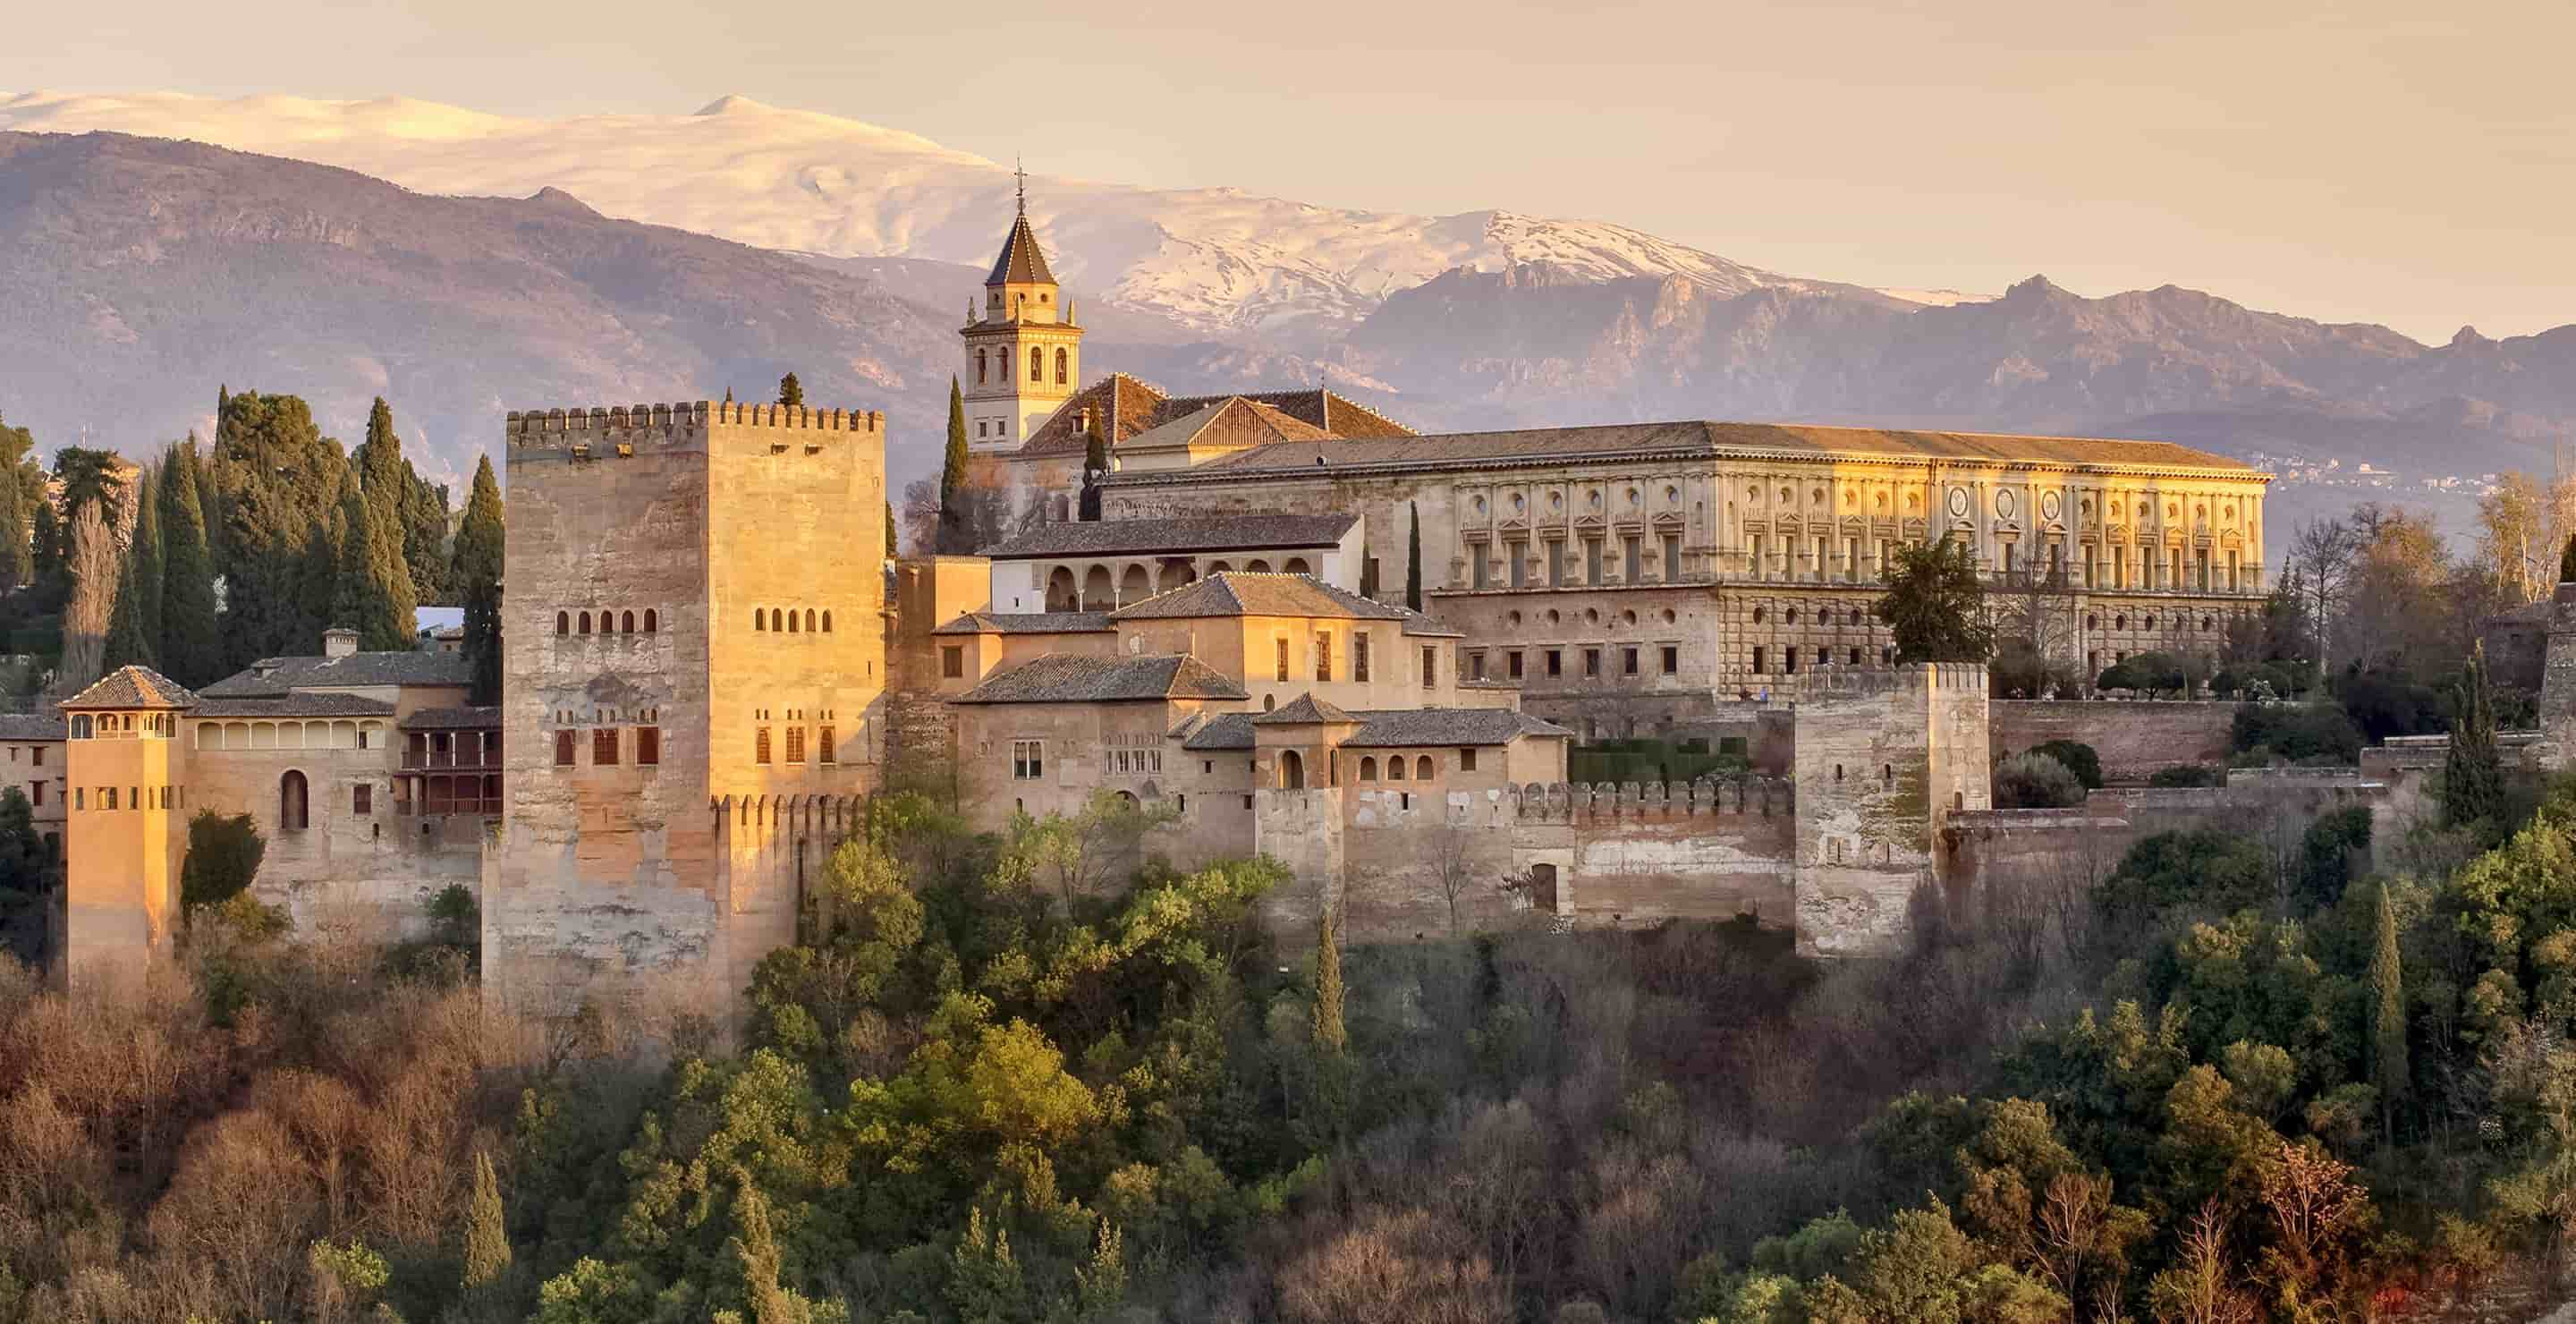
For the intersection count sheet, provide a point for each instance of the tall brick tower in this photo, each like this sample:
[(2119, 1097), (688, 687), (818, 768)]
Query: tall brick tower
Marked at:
[(1023, 348), (694, 668)]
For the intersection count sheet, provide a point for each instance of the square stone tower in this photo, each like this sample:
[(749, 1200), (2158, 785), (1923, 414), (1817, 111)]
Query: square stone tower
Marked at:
[(694, 664), (1023, 348), (1883, 759)]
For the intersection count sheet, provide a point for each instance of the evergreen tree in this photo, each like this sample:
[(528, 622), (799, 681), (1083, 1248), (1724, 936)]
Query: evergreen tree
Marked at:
[(91, 477), (1330, 1035), (276, 485), (1368, 573), (1095, 464), (374, 594), (126, 643), (147, 554), (17, 564), (487, 1236), (423, 529), (1934, 605), (2388, 1069), (955, 536), (191, 648), (790, 390), (2473, 772), (476, 573), (45, 550), (890, 535), (25, 866), (411, 508), (1413, 558)]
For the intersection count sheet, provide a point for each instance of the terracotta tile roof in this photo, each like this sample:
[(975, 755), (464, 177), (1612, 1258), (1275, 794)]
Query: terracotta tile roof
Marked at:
[(1304, 710), (1065, 678), (295, 705), (1021, 261), (1124, 405), (133, 687), (271, 676), (34, 726), (1316, 407), (1245, 593), (475, 718), (1767, 440), (1128, 407), (1028, 622), (1148, 537), (1391, 728), (1233, 422)]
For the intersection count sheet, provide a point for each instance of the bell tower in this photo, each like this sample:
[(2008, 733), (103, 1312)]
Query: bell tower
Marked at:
[(1023, 348)]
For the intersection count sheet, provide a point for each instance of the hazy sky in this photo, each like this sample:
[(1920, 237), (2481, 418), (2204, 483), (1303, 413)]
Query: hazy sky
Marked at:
[(2373, 161)]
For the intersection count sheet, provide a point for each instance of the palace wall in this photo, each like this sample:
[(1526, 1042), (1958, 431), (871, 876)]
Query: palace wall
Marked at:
[(2133, 739)]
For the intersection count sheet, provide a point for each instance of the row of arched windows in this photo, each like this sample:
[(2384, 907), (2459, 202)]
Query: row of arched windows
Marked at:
[(787, 620), (608, 622), (124, 726), (998, 365), (1422, 771), (130, 797)]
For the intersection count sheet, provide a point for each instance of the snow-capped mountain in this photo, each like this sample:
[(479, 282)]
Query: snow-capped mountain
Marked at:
[(1220, 261)]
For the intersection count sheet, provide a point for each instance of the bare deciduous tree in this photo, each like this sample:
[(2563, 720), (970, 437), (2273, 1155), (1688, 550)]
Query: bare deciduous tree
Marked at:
[(93, 601)]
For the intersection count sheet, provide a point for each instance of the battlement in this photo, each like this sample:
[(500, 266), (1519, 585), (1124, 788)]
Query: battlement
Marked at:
[(1604, 802), (540, 427), (1833, 683)]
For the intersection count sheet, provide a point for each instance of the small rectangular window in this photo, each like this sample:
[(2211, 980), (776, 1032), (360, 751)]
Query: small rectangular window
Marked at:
[(1028, 760), (1359, 656), (1476, 666), (796, 744), (648, 745), (823, 751), (952, 661), (1672, 659), (1591, 662), (1627, 661), (563, 749), (107, 797), (603, 747), (1466, 760), (1758, 668), (1323, 655), (362, 799), (1514, 665), (36, 793), (760, 745), (1282, 641), (80, 799), (36, 756), (1556, 662)]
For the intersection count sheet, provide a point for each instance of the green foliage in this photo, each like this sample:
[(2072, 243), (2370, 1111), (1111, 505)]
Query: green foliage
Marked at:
[(1935, 605), (46, 553), (1642, 760), (375, 595), (223, 859), (2328, 851), (487, 1236), (2035, 781), (2388, 1069), (2473, 772), (90, 478), (476, 573), (191, 645), (956, 537), (2173, 874), (18, 479), (1329, 1034), (277, 482), (126, 642), (2390, 702), (2181, 775), (2295, 733), (1413, 556), (2079, 759), (2148, 673), (147, 556), (790, 390)]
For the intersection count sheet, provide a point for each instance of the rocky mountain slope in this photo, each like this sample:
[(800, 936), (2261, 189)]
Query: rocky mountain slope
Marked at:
[(138, 274)]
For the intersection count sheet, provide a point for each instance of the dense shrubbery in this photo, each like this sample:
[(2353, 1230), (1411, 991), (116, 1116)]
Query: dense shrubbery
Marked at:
[(2079, 759), (2150, 673), (2188, 774), (2294, 733), (1034, 1079), (2035, 781)]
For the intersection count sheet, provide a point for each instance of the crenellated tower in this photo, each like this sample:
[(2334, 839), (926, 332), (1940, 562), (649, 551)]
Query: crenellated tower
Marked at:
[(1023, 347)]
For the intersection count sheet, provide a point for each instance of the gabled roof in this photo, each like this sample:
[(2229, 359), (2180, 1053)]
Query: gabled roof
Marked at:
[(1246, 593), (133, 687), (1231, 422), (1021, 261), (34, 726), (1304, 710), (1148, 537), (1028, 622), (1703, 437), (1065, 678), (1126, 407), (278, 675), (295, 705)]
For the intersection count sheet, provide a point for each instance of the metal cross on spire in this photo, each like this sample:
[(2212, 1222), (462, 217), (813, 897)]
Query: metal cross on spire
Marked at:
[(1022, 174)]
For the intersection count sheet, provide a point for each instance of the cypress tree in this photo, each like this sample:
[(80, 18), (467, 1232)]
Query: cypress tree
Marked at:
[(790, 390), (1368, 573), (1413, 558), (889, 521), (2388, 1068), (45, 549), (276, 489), (17, 565), (2473, 772), (954, 537), (191, 647), (1095, 463), (126, 644), (476, 573), (374, 593), (1330, 1034), (487, 1237), (423, 529), (148, 554)]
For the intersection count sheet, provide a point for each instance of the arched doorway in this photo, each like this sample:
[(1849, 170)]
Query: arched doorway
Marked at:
[(1061, 595), (1095, 589), (1292, 771), (1296, 566), (1173, 575), (1542, 888), (292, 802), (1134, 585)]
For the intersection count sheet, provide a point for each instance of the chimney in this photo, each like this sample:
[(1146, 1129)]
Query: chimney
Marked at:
[(339, 641)]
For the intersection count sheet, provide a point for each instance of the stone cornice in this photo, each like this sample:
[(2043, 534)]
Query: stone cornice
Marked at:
[(1930, 464)]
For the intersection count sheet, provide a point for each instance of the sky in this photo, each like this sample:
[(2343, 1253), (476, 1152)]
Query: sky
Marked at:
[(2406, 164)]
